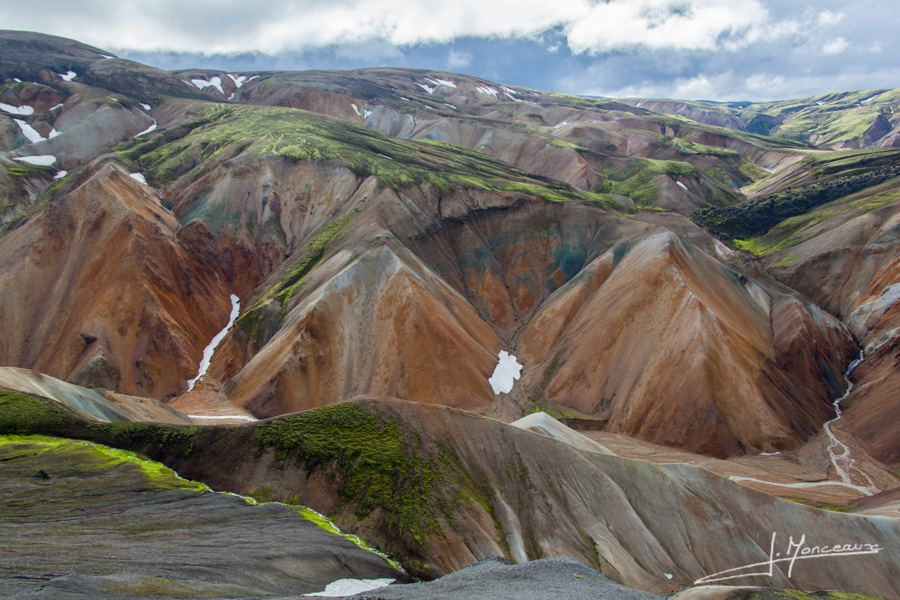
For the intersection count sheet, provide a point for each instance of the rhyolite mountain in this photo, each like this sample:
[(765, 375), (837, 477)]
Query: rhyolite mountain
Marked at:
[(691, 275)]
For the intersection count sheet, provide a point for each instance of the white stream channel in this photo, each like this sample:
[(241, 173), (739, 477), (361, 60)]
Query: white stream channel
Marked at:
[(208, 351), (838, 452)]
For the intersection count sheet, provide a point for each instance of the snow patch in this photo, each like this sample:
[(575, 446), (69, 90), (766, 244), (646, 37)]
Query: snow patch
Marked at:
[(53, 133), (29, 132), (507, 371), (105, 56), (43, 160), (146, 106), (17, 110), (820, 103), (681, 185), (138, 177), (146, 131), (450, 105), (669, 575), (60, 105), (384, 156), (428, 89), (17, 80), (351, 587), (561, 125), (208, 351), (487, 91), (215, 82), (769, 453), (511, 93), (356, 109), (69, 76), (445, 82), (238, 80), (60, 174), (867, 100)]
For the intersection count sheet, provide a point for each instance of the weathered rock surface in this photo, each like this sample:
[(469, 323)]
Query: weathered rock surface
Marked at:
[(101, 525)]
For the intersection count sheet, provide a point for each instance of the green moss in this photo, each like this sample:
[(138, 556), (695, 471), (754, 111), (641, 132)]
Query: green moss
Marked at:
[(312, 254), (301, 136), (787, 261), (821, 505), (107, 457), (758, 216), (380, 466), (175, 439), (26, 414)]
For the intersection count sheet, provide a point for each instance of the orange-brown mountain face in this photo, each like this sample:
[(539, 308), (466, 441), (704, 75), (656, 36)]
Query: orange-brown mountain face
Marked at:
[(98, 291)]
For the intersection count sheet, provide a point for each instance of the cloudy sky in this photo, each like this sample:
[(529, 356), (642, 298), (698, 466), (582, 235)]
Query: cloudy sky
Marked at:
[(693, 49)]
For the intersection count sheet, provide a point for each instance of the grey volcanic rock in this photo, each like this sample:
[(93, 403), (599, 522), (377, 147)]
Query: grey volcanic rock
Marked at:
[(101, 527), (493, 578)]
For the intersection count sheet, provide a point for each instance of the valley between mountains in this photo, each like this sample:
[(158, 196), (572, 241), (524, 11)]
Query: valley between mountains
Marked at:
[(459, 319)]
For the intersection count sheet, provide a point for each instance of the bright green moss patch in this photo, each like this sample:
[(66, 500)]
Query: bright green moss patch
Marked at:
[(821, 505), (302, 136), (380, 465), (103, 457)]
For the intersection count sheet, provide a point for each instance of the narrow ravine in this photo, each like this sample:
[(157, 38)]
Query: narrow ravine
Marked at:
[(208, 351), (844, 466)]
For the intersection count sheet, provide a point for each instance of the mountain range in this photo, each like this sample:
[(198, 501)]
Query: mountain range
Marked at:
[(458, 318)]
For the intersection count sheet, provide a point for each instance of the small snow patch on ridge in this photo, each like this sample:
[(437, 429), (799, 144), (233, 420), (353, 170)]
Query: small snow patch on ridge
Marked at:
[(507, 371), (43, 160), (69, 76), (681, 185), (215, 82), (428, 89), (60, 105), (138, 177), (487, 91), (60, 174), (238, 80), (445, 82), (146, 131), (350, 587), (29, 132), (146, 106), (17, 110)]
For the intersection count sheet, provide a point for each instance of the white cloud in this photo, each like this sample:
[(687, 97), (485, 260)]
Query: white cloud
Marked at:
[(835, 46), (554, 48), (667, 24), (828, 18), (232, 26), (457, 59)]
